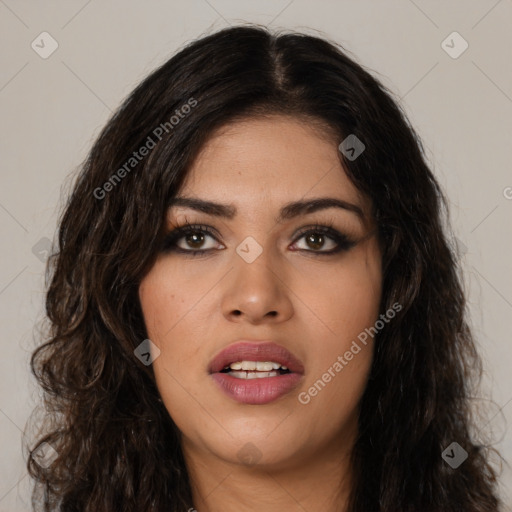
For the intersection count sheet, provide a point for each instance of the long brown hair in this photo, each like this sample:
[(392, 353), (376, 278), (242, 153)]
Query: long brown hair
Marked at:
[(115, 446)]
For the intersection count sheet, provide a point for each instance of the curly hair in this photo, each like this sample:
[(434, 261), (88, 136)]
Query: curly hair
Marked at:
[(115, 445)]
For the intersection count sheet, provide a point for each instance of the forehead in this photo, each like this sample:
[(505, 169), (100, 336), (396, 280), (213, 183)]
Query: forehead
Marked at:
[(267, 161)]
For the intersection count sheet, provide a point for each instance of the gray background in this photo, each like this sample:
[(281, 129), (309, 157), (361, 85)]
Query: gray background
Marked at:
[(52, 108)]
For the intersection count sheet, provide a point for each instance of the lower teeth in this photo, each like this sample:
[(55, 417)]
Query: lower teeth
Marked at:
[(252, 375)]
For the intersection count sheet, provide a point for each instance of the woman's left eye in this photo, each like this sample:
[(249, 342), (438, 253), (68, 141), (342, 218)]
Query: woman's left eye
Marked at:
[(315, 238)]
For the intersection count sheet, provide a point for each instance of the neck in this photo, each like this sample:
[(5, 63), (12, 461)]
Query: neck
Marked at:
[(320, 481)]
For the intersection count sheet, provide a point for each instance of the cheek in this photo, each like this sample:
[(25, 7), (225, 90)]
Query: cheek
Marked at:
[(345, 296), (169, 296), (171, 302), (348, 305), (164, 307)]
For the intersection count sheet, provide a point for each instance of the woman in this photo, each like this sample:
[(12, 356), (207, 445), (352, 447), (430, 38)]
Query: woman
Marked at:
[(254, 303)]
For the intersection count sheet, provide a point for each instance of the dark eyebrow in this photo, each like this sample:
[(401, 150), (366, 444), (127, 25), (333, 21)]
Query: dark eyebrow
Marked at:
[(289, 211)]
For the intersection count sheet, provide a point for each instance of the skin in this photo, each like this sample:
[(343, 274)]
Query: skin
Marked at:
[(195, 306)]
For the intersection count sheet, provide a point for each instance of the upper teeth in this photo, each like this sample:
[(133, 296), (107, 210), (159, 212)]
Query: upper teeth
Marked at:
[(263, 366)]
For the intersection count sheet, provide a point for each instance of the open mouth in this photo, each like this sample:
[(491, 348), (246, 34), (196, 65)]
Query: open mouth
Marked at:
[(256, 373), (255, 369)]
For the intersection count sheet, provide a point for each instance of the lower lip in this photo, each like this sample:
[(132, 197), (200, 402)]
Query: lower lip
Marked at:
[(257, 391)]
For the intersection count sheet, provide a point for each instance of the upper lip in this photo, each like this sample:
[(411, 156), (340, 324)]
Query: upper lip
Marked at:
[(245, 350)]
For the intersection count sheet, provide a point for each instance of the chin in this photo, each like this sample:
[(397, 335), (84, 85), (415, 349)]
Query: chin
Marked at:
[(254, 442)]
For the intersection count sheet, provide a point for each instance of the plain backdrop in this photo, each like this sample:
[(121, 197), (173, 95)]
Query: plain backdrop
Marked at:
[(52, 106)]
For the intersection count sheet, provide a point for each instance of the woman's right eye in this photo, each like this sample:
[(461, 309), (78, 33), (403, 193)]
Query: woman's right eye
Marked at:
[(193, 237)]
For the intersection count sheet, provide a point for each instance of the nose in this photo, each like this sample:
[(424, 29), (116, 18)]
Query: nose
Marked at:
[(256, 292)]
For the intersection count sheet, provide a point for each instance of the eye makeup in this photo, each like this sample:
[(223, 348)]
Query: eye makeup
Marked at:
[(318, 231)]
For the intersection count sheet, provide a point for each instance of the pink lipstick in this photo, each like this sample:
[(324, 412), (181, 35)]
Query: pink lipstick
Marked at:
[(256, 373)]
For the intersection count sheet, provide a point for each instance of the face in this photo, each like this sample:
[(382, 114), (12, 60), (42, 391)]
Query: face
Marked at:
[(306, 280)]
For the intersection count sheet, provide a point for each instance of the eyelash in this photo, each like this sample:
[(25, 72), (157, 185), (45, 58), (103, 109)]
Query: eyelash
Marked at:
[(344, 243)]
